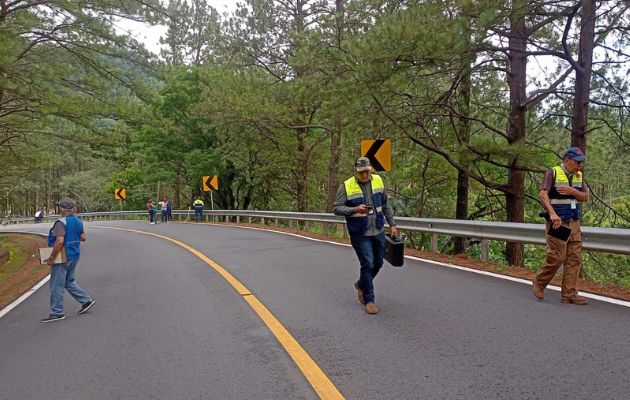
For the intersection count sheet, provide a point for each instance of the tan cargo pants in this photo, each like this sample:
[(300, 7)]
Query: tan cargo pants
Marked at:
[(560, 252)]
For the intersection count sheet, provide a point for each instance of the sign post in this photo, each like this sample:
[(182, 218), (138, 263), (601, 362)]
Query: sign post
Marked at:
[(120, 194), (210, 183)]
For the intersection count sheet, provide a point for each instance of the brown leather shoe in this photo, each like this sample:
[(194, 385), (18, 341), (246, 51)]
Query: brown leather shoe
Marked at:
[(538, 292), (370, 308), (359, 293), (579, 300)]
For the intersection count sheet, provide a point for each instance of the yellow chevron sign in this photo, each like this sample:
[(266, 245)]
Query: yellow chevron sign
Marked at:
[(210, 183), (120, 194), (379, 151)]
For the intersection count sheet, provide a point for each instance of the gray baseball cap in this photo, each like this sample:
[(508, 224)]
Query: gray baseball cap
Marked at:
[(66, 203), (363, 164)]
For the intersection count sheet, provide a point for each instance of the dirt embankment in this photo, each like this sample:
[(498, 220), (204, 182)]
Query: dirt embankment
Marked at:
[(20, 278)]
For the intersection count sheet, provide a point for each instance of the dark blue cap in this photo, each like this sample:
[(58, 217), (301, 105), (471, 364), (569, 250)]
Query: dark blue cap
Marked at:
[(574, 153)]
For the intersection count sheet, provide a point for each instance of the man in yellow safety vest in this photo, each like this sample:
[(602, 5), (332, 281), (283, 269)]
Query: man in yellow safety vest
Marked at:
[(561, 193), (363, 201)]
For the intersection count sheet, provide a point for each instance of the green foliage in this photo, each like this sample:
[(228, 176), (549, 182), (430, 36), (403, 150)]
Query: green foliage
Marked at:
[(65, 76), (607, 268), (17, 258)]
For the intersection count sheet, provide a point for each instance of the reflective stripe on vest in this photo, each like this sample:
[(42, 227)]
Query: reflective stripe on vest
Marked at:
[(358, 223), (562, 203)]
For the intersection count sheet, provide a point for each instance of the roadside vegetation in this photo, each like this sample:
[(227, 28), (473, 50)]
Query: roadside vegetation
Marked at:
[(19, 271), (15, 257)]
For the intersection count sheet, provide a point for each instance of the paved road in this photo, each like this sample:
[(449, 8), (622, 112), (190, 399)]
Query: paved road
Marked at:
[(167, 326)]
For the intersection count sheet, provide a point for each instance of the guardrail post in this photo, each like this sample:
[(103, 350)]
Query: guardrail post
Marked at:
[(227, 218), (238, 219), (485, 250), (249, 220), (277, 223), (306, 225), (434, 242), (262, 221), (290, 224)]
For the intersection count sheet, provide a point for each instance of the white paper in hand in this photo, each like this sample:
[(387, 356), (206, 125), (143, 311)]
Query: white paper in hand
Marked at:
[(45, 252)]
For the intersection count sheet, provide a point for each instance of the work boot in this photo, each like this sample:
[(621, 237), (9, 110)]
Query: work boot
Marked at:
[(359, 293), (370, 308), (538, 292), (579, 300)]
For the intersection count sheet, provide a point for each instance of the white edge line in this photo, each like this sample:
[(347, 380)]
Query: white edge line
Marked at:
[(29, 292), (476, 271), (23, 297)]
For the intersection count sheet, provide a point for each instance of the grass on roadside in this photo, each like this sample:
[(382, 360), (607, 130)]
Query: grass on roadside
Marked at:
[(17, 258)]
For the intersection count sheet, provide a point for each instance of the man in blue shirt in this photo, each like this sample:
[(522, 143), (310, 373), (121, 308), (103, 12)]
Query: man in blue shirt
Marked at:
[(64, 237)]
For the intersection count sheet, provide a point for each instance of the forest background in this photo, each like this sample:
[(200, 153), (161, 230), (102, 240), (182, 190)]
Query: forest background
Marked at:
[(275, 97)]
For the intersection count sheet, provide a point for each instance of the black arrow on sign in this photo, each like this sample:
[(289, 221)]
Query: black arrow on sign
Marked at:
[(371, 154), (207, 183), (119, 194)]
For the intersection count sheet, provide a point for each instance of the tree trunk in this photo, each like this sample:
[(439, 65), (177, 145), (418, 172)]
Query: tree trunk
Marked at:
[(461, 205), (515, 209), (517, 81), (302, 159), (583, 75), (177, 195), (336, 131), (302, 171), (333, 167), (461, 210)]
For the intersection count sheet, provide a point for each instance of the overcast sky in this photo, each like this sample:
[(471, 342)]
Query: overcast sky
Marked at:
[(150, 35), (539, 67)]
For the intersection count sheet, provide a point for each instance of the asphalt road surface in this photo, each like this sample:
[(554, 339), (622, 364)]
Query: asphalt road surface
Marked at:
[(168, 326)]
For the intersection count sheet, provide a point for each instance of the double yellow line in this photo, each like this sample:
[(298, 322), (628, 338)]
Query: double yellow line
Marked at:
[(315, 376)]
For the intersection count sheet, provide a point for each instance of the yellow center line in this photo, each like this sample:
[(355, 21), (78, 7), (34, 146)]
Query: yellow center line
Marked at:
[(315, 376)]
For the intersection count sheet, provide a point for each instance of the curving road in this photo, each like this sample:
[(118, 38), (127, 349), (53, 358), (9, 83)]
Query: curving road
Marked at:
[(167, 326)]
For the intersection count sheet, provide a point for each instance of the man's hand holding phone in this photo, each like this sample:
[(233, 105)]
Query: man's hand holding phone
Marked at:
[(364, 209)]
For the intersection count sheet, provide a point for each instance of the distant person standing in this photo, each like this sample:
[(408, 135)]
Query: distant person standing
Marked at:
[(198, 205), (561, 193), (150, 208), (165, 205), (363, 201), (169, 211), (64, 237), (39, 215)]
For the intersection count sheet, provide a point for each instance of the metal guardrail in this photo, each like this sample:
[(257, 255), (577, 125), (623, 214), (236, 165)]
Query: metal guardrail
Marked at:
[(607, 240)]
